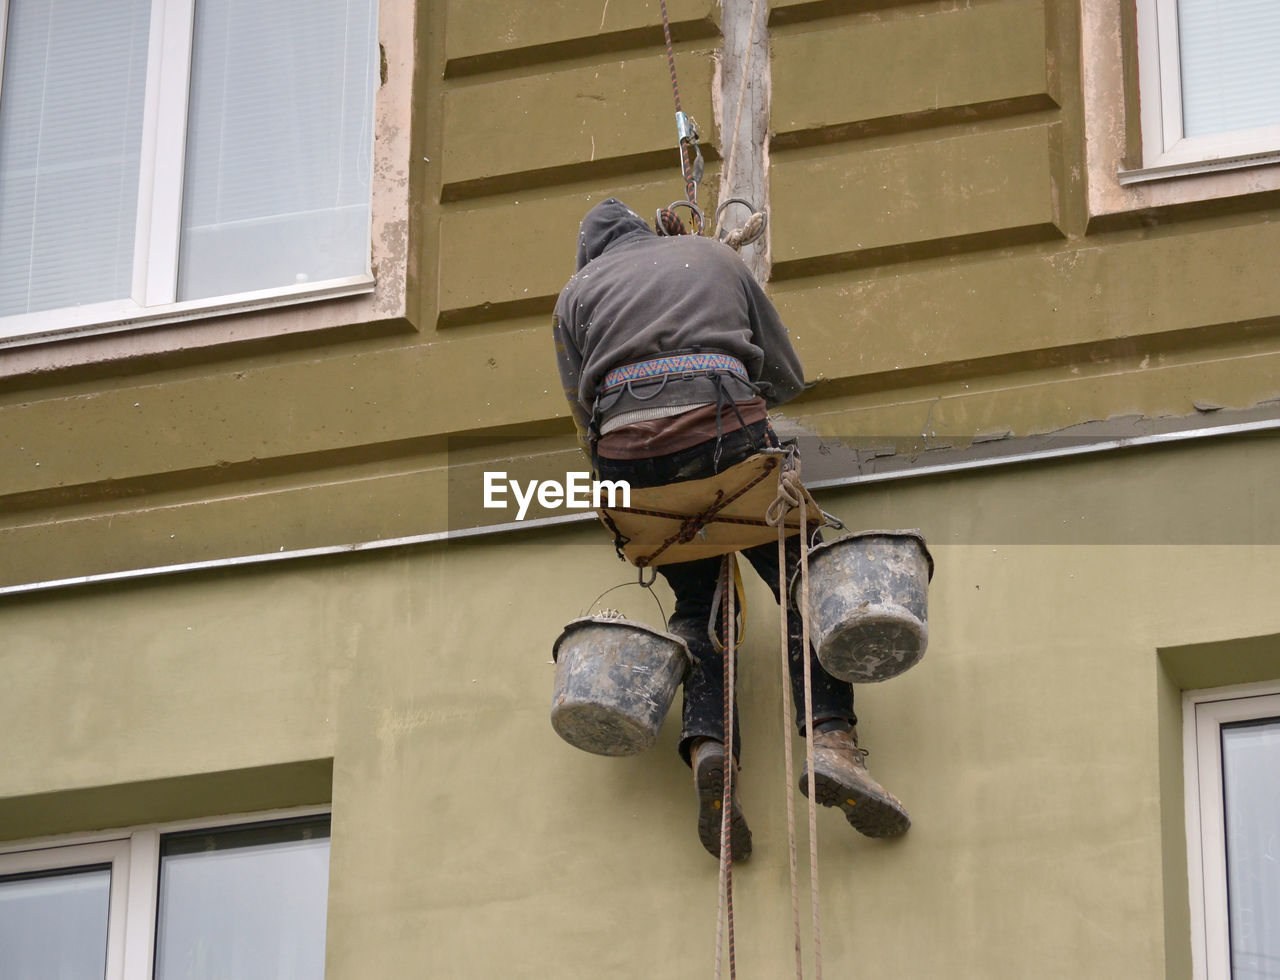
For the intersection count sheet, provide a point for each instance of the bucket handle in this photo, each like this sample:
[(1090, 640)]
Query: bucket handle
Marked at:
[(644, 585)]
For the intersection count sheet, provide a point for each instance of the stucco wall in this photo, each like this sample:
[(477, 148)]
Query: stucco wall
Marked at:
[(948, 273), (938, 251), (1033, 744)]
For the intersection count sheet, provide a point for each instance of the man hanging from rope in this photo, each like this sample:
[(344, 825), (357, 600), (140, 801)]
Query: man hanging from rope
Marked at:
[(704, 355)]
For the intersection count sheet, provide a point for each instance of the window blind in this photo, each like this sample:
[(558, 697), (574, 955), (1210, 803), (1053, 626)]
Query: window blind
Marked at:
[(1230, 62), (279, 144), (70, 136)]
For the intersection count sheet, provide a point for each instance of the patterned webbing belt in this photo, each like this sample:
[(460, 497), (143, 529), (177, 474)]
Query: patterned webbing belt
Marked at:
[(674, 365)]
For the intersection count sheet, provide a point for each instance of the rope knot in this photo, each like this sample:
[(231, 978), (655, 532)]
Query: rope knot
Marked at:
[(747, 234), (790, 492)]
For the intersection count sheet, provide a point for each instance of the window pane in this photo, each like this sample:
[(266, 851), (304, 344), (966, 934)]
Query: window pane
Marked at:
[(1230, 64), (1251, 785), (248, 903), (54, 926), (70, 133), (279, 144)]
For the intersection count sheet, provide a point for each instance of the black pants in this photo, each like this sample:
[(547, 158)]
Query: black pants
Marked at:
[(694, 584)]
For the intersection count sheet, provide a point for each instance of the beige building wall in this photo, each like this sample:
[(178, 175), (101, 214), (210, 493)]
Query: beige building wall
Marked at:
[(949, 244), (1037, 744), (967, 283)]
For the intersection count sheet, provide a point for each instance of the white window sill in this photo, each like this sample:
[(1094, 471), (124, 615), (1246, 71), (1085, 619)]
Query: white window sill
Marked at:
[(110, 317), (1189, 169)]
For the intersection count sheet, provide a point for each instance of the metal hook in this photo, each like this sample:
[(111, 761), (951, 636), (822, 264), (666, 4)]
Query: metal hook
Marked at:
[(733, 200), (831, 521), (755, 233)]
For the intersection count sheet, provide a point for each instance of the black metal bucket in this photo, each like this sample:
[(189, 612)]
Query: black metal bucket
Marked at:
[(615, 680), (868, 603)]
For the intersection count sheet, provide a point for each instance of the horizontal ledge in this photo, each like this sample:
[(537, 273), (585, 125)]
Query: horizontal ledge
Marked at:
[(229, 473), (1147, 174), (999, 448), (1038, 358), (800, 13), (983, 455), (911, 122), (322, 465), (111, 317), (982, 241), (633, 39), (285, 788), (1253, 202), (303, 338), (571, 173), (501, 310)]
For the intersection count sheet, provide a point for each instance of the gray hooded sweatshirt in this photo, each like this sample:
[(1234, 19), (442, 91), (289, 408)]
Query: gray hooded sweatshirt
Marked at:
[(637, 295)]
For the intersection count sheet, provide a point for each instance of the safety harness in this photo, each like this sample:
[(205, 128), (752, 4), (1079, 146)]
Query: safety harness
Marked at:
[(646, 379)]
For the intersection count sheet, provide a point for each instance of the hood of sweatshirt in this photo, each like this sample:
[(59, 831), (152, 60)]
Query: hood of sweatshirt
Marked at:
[(605, 225)]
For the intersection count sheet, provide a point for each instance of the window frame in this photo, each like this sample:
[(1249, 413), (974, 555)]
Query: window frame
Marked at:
[(1166, 152), (1204, 714), (152, 299), (134, 856), (119, 854)]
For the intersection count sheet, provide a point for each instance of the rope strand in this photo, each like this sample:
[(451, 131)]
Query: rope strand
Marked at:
[(725, 903), (791, 495), (787, 742), (808, 727), (731, 649), (690, 186)]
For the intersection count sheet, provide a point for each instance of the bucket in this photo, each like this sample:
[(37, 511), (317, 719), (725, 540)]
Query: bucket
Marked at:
[(868, 603), (615, 680)]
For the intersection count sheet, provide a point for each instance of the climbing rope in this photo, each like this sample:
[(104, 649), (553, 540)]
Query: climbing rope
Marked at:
[(728, 576), (791, 496), (788, 497), (686, 129), (808, 728), (667, 222)]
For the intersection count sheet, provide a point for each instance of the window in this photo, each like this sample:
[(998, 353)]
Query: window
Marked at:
[(1233, 830), (1210, 85), (160, 158), (245, 901)]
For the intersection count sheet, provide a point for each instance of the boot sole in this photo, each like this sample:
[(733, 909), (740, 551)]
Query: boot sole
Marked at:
[(710, 783), (868, 814)]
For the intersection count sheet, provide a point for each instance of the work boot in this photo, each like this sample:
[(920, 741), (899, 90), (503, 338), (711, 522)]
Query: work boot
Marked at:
[(707, 759), (841, 777)]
